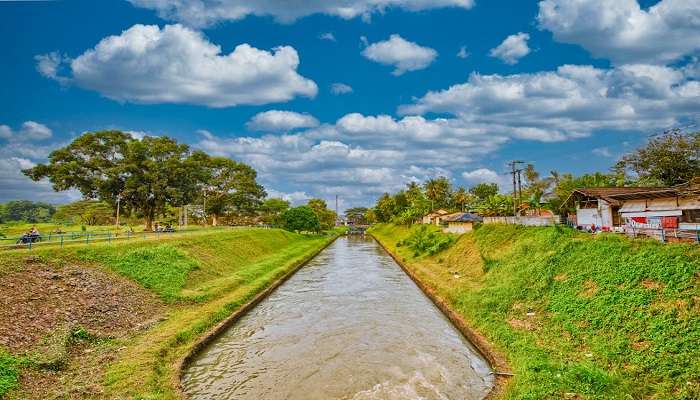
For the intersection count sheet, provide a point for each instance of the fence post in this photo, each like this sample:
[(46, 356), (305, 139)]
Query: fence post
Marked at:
[(61, 240), (30, 243), (87, 238), (109, 237)]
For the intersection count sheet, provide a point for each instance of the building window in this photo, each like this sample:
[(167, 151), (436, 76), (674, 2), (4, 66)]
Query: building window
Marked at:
[(691, 216)]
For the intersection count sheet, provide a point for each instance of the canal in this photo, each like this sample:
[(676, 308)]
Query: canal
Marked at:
[(349, 325)]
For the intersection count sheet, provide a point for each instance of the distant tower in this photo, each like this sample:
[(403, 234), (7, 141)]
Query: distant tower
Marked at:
[(336, 205)]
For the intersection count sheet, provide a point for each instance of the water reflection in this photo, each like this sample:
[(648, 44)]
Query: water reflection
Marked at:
[(349, 325)]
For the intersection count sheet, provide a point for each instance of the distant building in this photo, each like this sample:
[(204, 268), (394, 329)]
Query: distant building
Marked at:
[(461, 222), (651, 211), (435, 217)]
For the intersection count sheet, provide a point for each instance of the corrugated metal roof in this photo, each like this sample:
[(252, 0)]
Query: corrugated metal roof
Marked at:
[(463, 217)]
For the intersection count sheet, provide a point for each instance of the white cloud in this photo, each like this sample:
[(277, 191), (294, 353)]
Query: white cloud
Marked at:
[(622, 31), (340, 88), (571, 102), (22, 149), (201, 13), (146, 64), (281, 121), (463, 53), (481, 175), (513, 48), (49, 64), (359, 156), (402, 54), (602, 152), (295, 198), (5, 132), (29, 131), (327, 36)]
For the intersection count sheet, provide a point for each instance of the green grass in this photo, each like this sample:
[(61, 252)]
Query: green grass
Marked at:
[(202, 278), (609, 317), (163, 268), (9, 372)]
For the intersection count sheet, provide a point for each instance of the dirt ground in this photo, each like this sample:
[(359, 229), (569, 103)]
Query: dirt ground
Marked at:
[(39, 302)]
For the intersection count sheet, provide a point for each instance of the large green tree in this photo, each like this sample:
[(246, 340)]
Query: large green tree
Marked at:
[(147, 174), (272, 210), (325, 216), (301, 219), (357, 215), (439, 192), (231, 186), (668, 159), (484, 190), (86, 212), (384, 209)]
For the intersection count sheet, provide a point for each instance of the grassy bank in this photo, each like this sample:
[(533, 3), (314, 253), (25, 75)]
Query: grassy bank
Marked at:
[(199, 281), (576, 316)]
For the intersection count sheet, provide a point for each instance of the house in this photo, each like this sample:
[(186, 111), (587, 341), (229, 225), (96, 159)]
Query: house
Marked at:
[(435, 217), (652, 211), (597, 208), (461, 222)]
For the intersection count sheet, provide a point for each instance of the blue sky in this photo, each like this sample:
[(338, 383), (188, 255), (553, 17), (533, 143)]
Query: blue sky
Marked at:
[(447, 87)]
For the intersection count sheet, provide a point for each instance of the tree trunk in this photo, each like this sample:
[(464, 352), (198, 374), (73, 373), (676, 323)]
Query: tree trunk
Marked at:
[(214, 219), (148, 217)]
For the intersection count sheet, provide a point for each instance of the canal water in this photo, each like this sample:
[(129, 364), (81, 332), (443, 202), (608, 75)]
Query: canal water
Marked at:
[(349, 325)]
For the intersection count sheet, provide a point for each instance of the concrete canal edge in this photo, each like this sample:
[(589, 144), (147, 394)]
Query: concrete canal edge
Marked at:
[(498, 363), (222, 326)]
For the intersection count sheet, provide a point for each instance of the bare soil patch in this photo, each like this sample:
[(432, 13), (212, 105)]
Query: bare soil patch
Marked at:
[(40, 298), (40, 301)]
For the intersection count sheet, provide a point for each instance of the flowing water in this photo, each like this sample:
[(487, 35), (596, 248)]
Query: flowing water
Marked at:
[(349, 325)]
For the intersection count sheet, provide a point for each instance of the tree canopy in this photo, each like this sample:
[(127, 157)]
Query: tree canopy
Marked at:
[(668, 159), (86, 212), (301, 219), (230, 185), (325, 216), (149, 175), (27, 211)]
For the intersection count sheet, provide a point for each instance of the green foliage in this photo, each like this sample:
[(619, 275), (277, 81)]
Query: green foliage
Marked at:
[(148, 174), (427, 240), (326, 217), (357, 215), (231, 186), (439, 192), (272, 210), (496, 205), (26, 211), (669, 159), (87, 212), (484, 190), (163, 269), (301, 219), (9, 372)]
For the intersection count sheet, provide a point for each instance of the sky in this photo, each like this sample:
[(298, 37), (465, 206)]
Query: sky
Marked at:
[(349, 97)]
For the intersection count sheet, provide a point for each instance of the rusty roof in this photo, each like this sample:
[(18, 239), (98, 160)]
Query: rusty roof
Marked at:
[(614, 195)]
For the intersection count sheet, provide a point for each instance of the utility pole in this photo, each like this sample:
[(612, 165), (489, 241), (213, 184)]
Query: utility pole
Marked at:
[(516, 183), (337, 216)]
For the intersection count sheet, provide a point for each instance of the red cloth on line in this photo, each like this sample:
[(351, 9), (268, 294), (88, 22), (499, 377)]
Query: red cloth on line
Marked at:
[(640, 220)]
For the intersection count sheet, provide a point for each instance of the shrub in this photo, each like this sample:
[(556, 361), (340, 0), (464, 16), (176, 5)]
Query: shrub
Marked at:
[(426, 241)]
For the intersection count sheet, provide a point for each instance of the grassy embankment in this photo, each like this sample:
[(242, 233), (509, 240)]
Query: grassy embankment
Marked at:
[(200, 279), (577, 316)]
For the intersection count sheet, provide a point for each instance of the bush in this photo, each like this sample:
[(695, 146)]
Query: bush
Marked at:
[(426, 241)]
